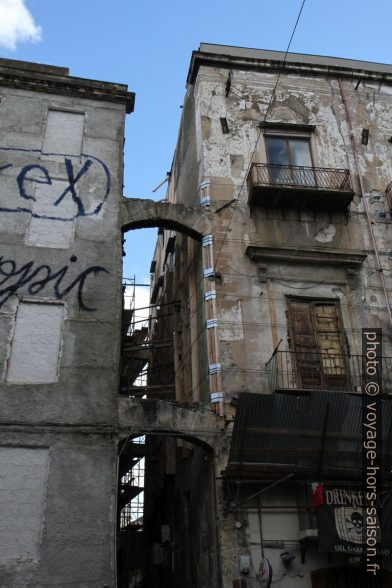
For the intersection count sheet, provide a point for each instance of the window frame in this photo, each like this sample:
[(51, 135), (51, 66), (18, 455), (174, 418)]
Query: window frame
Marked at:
[(289, 175), (293, 345), (287, 138)]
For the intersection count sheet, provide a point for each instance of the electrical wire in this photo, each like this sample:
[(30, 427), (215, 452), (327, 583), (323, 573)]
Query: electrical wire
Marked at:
[(259, 134), (157, 305), (149, 318)]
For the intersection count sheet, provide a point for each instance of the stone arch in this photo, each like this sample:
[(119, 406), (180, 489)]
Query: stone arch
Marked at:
[(196, 423), (139, 213), (182, 497)]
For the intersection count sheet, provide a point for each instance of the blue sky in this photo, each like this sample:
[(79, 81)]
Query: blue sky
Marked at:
[(148, 46)]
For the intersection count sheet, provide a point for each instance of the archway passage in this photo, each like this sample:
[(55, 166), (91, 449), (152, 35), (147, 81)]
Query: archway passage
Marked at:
[(143, 213), (166, 530), (159, 353), (169, 538)]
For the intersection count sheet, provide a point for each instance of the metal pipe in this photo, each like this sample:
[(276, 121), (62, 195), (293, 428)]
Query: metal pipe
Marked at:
[(373, 238), (260, 526)]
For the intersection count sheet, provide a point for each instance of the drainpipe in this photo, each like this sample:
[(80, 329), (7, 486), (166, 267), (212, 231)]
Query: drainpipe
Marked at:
[(362, 189)]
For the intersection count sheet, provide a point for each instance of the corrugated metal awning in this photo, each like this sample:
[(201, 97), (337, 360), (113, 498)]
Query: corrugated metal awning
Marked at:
[(315, 434)]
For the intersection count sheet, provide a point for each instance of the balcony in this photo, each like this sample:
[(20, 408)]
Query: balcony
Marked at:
[(290, 371), (315, 188)]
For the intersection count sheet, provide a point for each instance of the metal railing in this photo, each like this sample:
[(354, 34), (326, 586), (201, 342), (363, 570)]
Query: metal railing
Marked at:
[(300, 177), (290, 370)]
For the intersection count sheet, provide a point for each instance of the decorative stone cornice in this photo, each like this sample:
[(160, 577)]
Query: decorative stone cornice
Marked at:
[(349, 260), (56, 80)]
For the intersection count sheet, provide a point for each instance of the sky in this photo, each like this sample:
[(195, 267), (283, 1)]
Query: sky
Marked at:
[(147, 45)]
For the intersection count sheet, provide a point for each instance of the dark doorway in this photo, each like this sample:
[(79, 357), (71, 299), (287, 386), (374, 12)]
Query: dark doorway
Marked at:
[(346, 577)]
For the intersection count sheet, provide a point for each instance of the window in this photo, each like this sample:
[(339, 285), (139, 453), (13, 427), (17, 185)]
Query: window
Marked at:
[(318, 346), (287, 151), (290, 161)]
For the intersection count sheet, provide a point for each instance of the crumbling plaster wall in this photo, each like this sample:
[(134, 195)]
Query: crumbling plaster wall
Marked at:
[(81, 271), (251, 304), (89, 352), (73, 543), (247, 308)]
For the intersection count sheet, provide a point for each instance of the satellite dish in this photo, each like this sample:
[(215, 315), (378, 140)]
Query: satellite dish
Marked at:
[(265, 573)]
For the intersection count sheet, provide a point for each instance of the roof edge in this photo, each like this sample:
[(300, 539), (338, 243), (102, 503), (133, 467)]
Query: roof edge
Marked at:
[(50, 79), (296, 63)]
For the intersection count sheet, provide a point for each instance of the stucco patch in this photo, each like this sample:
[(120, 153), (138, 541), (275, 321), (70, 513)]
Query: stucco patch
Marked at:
[(22, 496), (326, 234)]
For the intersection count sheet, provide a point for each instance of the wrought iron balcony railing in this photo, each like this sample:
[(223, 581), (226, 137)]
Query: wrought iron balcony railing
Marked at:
[(290, 370), (273, 185)]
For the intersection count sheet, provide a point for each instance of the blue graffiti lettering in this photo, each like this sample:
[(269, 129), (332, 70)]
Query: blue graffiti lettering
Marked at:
[(36, 278), (72, 182), (22, 177), (87, 203)]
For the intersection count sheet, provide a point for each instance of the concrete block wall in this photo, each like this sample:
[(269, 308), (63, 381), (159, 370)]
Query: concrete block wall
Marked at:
[(60, 311)]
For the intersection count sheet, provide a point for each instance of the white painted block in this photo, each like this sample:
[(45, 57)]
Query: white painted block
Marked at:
[(36, 344), (63, 133), (23, 474), (57, 229)]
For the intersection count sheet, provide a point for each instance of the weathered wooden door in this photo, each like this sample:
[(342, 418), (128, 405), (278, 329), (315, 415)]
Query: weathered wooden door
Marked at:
[(305, 358), (318, 345)]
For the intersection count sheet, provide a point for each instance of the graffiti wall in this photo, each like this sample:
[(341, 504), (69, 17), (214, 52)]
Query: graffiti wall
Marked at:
[(54, 190), (74, 187)]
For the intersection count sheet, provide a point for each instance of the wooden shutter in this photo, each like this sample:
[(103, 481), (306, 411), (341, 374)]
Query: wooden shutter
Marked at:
[(320, 355), (304, 344), (333, 353)]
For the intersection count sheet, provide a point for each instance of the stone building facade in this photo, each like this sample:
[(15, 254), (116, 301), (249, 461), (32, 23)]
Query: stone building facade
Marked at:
[(61, 161), (289, 161), (273, 254)]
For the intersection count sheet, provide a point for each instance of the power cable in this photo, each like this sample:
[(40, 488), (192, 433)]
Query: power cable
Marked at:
[(241, 187), (259, 134)]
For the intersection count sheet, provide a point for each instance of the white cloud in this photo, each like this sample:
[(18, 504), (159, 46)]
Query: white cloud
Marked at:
[(17, 24)]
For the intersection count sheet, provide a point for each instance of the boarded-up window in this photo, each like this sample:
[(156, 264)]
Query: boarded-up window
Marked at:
[(318, 344), (22, 500), (52, 225), (63, 133), (36, 344)]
